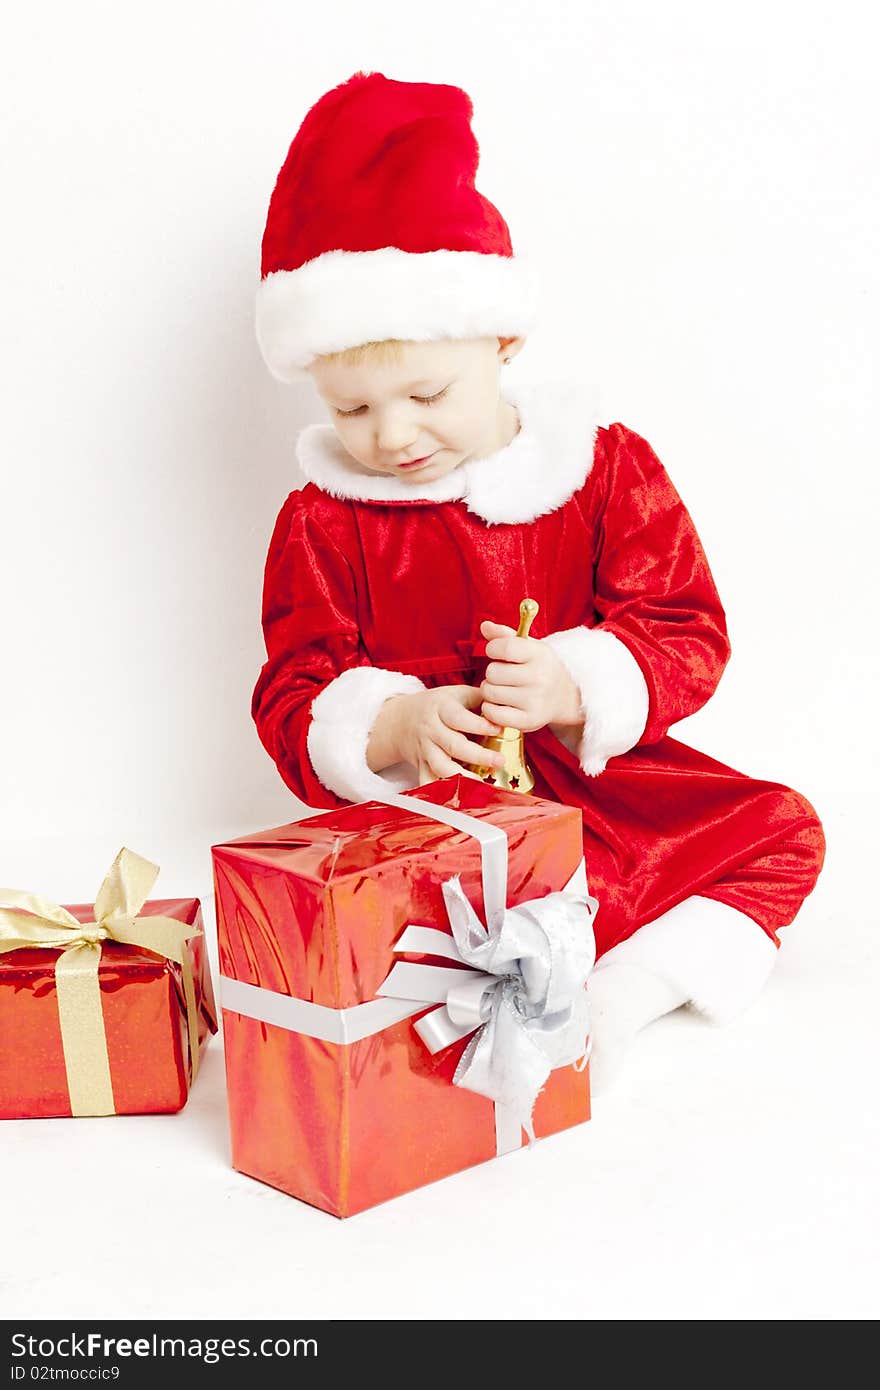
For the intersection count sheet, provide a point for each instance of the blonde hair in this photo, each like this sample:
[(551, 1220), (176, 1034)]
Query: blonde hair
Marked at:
[(383, 350)]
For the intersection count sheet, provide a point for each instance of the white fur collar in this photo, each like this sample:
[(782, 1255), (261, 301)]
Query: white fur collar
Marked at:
[(544, 463)]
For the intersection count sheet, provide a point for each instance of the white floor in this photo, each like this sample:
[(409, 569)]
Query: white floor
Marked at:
[(732, 1173)]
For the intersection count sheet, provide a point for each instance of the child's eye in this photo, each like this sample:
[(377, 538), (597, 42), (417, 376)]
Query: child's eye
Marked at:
[(429, 400), (423, 400)]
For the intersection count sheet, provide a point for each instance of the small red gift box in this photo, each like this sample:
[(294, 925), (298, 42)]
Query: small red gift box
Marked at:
[(92, 1023), (341, 1087)]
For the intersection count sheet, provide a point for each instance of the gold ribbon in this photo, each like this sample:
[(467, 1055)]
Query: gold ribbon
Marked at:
[(31, 920)]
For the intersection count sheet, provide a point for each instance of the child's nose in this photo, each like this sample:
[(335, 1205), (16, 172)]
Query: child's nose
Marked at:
[(395, 434)]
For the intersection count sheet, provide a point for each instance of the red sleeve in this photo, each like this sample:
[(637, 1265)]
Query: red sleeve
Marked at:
[(309, 624), (654, 588)]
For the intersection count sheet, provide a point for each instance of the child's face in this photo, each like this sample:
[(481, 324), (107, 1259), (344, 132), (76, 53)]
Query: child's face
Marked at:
[(438, 400)]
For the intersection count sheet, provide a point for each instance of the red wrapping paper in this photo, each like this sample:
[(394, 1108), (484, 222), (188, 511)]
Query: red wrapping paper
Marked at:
[(313, 909), (144, 1011)]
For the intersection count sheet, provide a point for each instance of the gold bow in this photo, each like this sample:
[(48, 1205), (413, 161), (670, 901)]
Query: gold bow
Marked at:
[(31, 920)]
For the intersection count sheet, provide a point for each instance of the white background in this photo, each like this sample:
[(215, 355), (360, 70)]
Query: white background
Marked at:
[(702, 189)]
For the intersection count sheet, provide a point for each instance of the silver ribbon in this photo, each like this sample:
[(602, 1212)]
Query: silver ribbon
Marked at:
[(523, 993)]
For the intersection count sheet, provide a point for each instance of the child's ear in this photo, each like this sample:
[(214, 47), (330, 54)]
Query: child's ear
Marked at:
[(509, 347)]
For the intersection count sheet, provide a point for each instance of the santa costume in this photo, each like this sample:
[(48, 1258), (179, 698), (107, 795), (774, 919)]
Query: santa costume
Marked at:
[(376, 586)]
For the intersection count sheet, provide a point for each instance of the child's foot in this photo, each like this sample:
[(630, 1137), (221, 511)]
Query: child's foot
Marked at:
[(624, 998)]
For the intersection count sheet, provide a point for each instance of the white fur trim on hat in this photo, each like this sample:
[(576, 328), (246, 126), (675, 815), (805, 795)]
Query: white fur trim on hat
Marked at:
[(343, 715), (717, 956), (343, 298), (614, 695)]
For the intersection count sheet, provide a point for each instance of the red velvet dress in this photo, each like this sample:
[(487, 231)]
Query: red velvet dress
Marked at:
[(402, 584)]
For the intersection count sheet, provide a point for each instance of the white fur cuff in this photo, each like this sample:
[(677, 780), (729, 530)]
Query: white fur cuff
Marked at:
[(342, 717), (614, 695), (717, 956)]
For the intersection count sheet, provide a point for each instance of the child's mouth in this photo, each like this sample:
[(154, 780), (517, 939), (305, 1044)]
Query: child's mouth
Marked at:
[(416, 463)]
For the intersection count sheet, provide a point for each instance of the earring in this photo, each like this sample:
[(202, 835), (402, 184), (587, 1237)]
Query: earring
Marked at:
[(507, 361)]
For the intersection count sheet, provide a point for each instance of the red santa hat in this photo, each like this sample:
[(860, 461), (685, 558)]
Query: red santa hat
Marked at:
[(376, 230)]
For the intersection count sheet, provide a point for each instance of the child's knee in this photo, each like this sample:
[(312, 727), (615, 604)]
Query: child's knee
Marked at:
[(806, 836)]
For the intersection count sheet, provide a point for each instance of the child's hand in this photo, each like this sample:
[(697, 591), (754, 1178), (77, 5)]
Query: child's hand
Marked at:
[(432, 732), (526, 685)]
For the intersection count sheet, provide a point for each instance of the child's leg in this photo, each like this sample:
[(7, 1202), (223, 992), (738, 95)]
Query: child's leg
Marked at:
[(713, 950), (701, 952)]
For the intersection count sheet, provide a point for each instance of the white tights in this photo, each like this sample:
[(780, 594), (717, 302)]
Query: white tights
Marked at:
[(702, 952)]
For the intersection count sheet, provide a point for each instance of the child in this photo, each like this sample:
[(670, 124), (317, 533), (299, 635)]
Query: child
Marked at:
[(392, 584)]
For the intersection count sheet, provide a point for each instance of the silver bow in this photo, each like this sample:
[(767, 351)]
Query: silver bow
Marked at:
[(524, 993)]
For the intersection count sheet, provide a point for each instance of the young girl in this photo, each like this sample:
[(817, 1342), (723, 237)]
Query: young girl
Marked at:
[(436, 500)]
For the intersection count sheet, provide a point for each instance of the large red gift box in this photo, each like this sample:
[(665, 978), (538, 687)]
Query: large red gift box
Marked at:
[(143, 1025), (328, 1101)]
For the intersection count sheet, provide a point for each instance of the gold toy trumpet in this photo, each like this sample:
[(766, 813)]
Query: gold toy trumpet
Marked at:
[(515, 775)]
